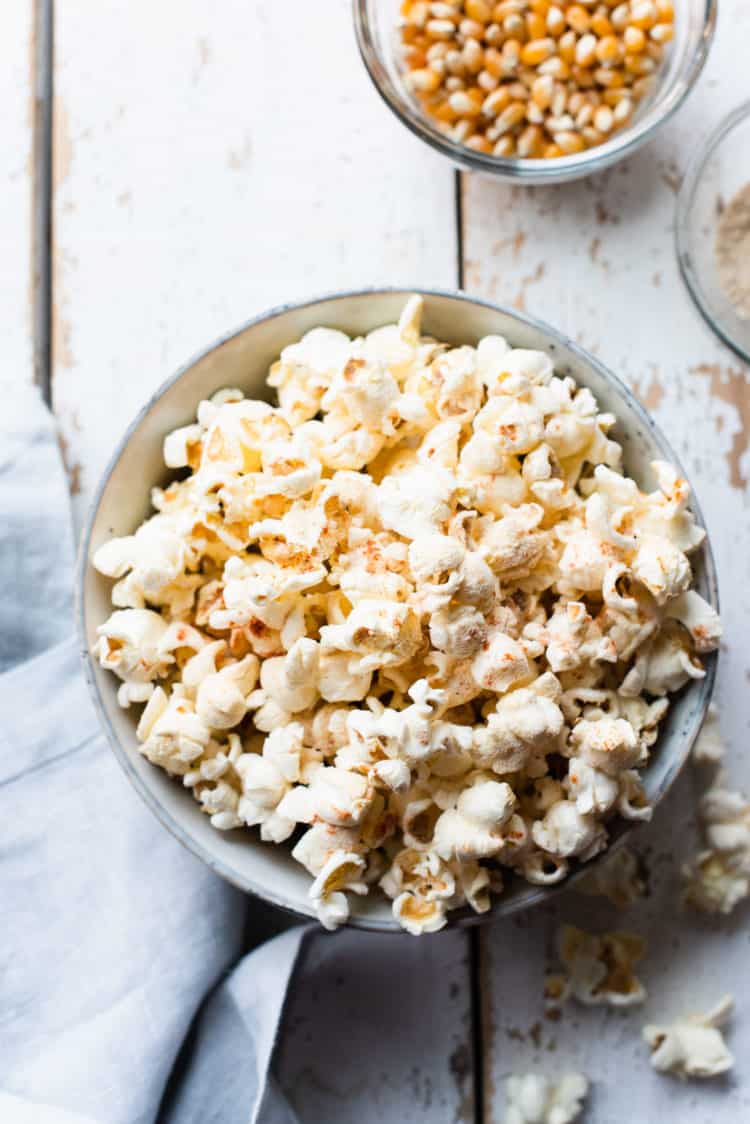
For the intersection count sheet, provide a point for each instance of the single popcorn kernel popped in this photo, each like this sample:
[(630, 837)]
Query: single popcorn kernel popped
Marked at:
[(527, 79), (415, 614)]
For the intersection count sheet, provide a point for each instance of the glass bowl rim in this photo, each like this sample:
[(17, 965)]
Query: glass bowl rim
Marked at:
[(623, 144), (685, 198)]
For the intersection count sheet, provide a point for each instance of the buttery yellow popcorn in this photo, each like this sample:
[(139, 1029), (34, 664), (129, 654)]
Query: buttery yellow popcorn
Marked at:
[(413, 612)]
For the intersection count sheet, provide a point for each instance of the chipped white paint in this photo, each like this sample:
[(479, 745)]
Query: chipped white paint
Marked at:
[(596, 258), (225, 163), (16, 251)]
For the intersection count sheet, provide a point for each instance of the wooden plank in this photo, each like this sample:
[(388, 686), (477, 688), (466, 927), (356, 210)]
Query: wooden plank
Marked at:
[(222, 166), (17, 75), (596, 258)]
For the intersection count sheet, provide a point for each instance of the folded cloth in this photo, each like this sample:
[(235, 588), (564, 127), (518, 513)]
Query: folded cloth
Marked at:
[(115, 941)]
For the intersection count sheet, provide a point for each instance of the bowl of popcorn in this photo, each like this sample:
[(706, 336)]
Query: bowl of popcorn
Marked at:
[(397, 609), (534, 91)]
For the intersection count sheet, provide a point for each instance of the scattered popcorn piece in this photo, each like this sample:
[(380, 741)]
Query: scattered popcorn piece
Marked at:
[(692, 1046), (718, 878), (600, 967), (415, 613), (709, 747), (533, 1099), (615, 877)]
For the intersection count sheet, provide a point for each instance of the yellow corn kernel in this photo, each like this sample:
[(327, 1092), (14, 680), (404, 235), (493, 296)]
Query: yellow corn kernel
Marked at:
[(494, 35), (592, 136), (536, 26), (478, 10), (440, 29), (514, 26), (424, 80), (556, 67), (578, 18), (416, 14), (540, 6), (569, 142), (534, 115), (496, 102), (665, 11), (634, 40), (586, 50), (604, 119), (511, 53), (642, 87), (619, 17), (584, 116), (530, 141), (467, 103), (510, 117), (517, 91), (639, 64), (488, 82), (506, 7), (506, 146), (542, 91), (613, 97), (493, 62), (445, 112), (600, 25), (471, 29), (662, 32), (538, 50), (473, 56), (555, 21), (608, 49), (576, 102), (582, 77), (643, 14), (622, 111), (479, 143), (608, 77), (552, 151), (566, 46)]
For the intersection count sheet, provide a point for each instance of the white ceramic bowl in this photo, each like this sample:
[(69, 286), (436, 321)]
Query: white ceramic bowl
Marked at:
[(242, 359)]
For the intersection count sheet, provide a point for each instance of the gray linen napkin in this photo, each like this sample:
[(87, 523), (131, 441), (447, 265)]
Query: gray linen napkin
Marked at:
[(114, 941)]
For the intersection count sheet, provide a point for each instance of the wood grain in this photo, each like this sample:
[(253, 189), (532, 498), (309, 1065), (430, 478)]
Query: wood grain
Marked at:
[(596, 258)]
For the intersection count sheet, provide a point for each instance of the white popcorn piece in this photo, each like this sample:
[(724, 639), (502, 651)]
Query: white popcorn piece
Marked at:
[(394, 605), (531, 1098), (692, 1046), (600, 967), (718, 878), (615, 877), (709, 747)]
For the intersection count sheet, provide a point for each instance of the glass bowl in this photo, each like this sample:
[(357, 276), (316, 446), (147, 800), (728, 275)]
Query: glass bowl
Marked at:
[(376, 26), (719, 170)]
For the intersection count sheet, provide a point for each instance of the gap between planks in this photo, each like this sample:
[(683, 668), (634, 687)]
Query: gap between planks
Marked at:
[(41, 63)]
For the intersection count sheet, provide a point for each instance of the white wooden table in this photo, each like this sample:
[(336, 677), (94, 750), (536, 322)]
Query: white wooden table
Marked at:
[(208, 161)]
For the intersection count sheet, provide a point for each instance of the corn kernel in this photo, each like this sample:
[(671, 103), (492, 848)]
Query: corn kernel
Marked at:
[(478, 10), (510, 116), (530, 141), (536, 26), (496, 102), (622, 111), (471, 29), (569, 143), (473, 56), (440, 29), (493, 62), (608, 49), (555, 21), (586, 51), (662, 32), (464, 104), (634, 40), (566, 46), (479, 143), (542, 91), (639, 64), (506, 146), (552, 151), (604, 119), (608, 77), (424, 80), (578, 18), (600, 25), (643, 14), (556, 67), (619, 17), (537, 51), (488, 82)]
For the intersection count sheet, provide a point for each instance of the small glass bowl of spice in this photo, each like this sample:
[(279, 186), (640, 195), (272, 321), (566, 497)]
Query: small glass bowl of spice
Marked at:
[(535, 91), (712, 230)]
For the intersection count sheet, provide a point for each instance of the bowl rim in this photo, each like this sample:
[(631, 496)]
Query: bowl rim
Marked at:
[(529, 170), (462, 917), (685, 199)]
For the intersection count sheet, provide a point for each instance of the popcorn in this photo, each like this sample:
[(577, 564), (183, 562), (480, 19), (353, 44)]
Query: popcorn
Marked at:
[(709, 747), (718, 879), (533, 1099), (615, 877), (415, 612), (600, 968), (692, 1046)]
